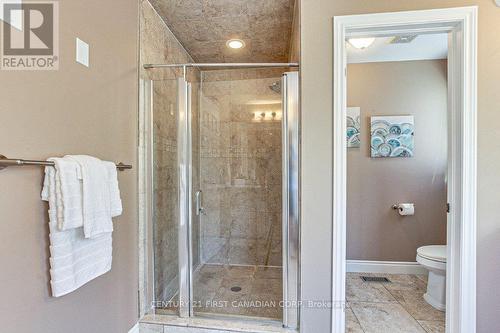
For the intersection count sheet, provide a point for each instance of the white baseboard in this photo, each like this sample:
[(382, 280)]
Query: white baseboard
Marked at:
[(387, 267), (135, 328)]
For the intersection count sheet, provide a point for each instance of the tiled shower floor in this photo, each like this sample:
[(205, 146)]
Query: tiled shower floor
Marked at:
[(390, 307), (257, 291), (259, 296)]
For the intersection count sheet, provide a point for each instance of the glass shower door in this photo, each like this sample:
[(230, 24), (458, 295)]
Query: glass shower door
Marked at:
[(239, 195), (163, 120), (224, 168)]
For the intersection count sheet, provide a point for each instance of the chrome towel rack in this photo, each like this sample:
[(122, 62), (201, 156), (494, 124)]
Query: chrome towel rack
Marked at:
[(7, 162)]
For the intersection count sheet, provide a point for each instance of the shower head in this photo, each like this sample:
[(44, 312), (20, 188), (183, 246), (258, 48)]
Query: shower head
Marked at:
[(276, 87)]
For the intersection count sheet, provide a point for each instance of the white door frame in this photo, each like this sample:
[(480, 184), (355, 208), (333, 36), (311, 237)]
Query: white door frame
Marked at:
[(461, 23)]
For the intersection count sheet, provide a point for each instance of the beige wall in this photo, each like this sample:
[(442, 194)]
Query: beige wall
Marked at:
[(374, 230), (317, 88), (74, 110)]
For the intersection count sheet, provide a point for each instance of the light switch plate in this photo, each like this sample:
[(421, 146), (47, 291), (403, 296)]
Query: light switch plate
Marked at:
[(82, 52)]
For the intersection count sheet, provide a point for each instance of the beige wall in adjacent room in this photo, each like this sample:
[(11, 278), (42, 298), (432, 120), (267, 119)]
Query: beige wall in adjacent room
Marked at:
[(74, 110), (317, 96), (374, 230)]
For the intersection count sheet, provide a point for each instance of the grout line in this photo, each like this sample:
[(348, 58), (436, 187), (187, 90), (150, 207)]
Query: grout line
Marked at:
[(169, 30), (404, 308), (420, 325), (411, 314), (355, 316)]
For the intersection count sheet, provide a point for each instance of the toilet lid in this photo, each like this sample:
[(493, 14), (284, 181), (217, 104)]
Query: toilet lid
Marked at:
[(433, 252)]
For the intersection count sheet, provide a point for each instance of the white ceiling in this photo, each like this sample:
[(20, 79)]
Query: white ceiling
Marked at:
[(423, 47)]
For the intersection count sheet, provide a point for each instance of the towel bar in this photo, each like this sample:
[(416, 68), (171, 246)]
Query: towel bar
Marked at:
[(6, 162)]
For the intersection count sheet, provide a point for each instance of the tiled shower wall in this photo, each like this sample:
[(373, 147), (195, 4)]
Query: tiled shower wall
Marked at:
[(165, 187), (240, 164)]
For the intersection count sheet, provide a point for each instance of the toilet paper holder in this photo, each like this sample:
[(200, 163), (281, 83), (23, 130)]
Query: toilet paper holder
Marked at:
[(396, 206), (404, 208)]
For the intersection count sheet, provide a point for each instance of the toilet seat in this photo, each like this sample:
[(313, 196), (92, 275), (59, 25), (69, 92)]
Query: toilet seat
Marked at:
[(433, 252)]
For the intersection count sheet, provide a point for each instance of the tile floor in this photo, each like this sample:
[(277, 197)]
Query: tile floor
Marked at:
[(372, 307), (393, 307)]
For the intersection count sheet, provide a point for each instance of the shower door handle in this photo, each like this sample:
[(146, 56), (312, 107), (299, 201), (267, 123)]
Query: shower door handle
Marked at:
[(199, 203)]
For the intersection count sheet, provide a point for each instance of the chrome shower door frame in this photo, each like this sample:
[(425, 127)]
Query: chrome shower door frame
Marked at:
[(184, 155), (290, 198)]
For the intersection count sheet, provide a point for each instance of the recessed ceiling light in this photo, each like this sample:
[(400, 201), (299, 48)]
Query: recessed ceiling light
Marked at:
[(235, 44), (361, 43)]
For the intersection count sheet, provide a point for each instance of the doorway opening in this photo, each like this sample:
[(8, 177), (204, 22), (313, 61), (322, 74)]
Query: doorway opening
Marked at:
[(459, 25), (396, 183)]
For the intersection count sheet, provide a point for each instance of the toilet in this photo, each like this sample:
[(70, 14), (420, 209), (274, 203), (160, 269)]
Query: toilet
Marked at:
[(433, 258)]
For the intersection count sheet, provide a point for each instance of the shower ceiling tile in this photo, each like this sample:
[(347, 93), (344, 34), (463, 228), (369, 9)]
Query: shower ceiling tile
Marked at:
[(228, 27), (204, 26), (271, 8), (222, 8), (182, 9)]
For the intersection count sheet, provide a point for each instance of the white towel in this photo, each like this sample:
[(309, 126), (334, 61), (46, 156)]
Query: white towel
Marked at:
[(68, 194), (114, 190), (96, 195), (74, 259)]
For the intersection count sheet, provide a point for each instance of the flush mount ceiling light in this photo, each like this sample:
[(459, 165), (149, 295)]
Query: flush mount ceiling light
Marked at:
[(235, 44), (361, 43), (403, 39)]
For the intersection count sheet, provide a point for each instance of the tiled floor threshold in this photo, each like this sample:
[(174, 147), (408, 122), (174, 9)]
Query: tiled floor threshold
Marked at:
[(174, 324)]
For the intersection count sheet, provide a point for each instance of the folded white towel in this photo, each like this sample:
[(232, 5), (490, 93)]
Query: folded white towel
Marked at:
[(114, 190), (68, 194), (74, 259), (96, 195)]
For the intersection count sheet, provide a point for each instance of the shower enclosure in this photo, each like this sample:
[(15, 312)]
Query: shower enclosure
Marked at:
[(221, 174)]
